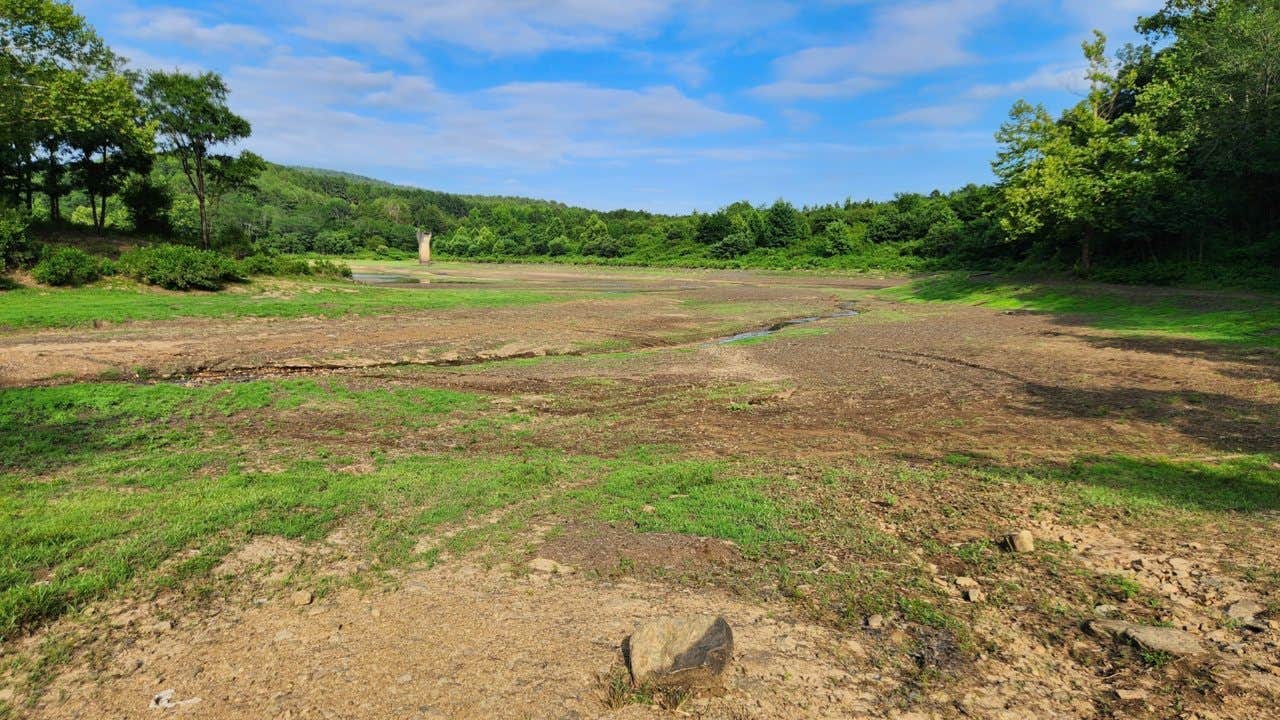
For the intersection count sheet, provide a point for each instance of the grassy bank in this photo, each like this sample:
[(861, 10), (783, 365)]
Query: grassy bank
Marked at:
[(1244, 319), (119, 301)]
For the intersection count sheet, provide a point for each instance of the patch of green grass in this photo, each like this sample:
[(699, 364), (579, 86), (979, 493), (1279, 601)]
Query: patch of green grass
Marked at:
[(1211, 317), (1121, 587), (690, 497), (1240, 484), (123, 302), (42, 428)]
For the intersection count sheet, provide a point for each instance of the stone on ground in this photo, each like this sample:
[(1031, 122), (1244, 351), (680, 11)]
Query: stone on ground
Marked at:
[(303, 597), (692, 651), (1245, 610), (1022, 541), (1149, 637)]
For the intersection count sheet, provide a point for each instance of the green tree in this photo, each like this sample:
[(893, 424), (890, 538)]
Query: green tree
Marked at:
[(784, 225), (193, 118), (45, 48), (109, 136), (1065, 177)]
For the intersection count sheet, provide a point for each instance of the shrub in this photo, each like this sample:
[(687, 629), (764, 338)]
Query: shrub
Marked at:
[(331, 269), (179, 267), (67, 266), (285, 266), (15, 246)]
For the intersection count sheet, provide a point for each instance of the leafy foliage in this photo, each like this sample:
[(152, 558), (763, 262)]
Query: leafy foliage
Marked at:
[(67, 266), (178, 267)]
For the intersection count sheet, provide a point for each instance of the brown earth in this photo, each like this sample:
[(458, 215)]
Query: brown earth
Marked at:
[(909, 384)]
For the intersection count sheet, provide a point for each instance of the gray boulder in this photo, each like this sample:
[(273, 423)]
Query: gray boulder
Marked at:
[(1149, 637), (688, 652)]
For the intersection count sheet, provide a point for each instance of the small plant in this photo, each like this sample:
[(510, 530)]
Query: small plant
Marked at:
[(1156, 658), (67, 266), (1122, 587)]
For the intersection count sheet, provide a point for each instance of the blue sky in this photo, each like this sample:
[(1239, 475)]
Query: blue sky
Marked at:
[(665, 105)]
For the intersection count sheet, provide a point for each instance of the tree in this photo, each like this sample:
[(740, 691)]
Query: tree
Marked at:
[(783, 225), (108, 135), (1064, 177), (597, 241), (45, 47), (192, 118)]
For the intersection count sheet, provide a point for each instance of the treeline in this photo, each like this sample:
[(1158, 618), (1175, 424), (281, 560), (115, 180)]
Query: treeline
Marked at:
[(1168, 171)]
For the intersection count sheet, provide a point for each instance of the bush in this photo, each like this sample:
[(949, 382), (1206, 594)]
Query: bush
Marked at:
[(15, 247), (67, 266), (285, 266), (179, 267), (330, 269), (276, 265)]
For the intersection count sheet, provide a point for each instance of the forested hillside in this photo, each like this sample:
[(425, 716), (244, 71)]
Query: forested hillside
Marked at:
[(1167, 171)]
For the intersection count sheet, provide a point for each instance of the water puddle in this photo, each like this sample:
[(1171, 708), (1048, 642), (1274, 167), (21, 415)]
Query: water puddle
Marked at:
[(386, 279), (844, 311)]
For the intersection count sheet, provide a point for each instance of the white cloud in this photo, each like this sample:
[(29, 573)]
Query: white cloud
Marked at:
[(182, 27), (498, 27), (321, 110), (786, 90), (1071, 78), (1111, 16), (903, 39), (934, 116), (800, 120)]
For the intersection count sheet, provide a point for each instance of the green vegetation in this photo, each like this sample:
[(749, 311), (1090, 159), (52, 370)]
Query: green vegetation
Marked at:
[(176, 267), (67, 266), (692, 498), (122, 302), (1241, 484), (1245, 319), (102, 485)]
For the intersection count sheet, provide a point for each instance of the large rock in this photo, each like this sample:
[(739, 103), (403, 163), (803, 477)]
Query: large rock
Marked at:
[(690, 652), (1149, 637), (1245, 610), (1022, 541)]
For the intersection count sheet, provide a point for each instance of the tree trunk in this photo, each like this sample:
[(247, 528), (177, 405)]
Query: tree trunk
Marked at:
[(200, 200), (1086, 248)]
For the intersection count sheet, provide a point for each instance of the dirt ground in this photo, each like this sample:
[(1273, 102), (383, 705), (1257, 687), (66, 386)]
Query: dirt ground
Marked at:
[(642, 365)]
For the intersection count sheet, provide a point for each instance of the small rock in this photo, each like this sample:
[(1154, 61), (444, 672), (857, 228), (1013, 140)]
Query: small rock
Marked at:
[(974, 595), (648, 509), (1245, 610), (875, 622), (549, 566), (302, 597), (1131, 695), (1106, 610), (163, 626), (931, 568), (1148, 637), (966, 583), (691, 651), (1022, 541), (162, 700)]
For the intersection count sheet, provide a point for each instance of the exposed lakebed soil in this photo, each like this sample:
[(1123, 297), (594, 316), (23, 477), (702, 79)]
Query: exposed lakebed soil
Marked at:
[(897, 387)]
